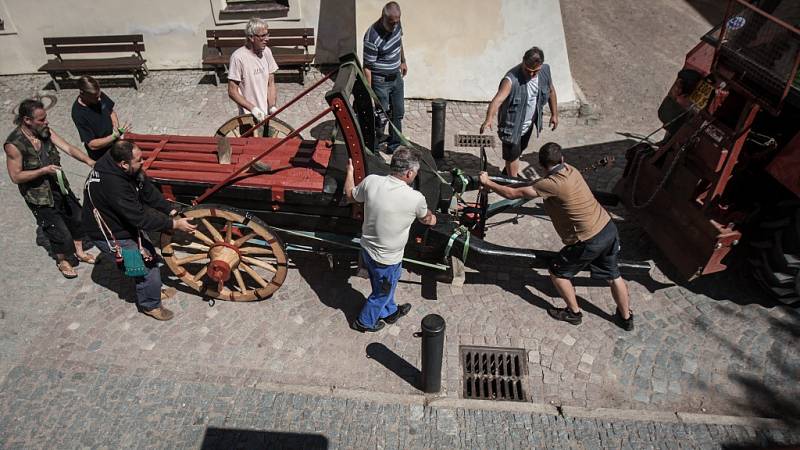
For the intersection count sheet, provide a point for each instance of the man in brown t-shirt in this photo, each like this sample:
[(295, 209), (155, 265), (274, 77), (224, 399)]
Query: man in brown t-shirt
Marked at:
[(590, 237)]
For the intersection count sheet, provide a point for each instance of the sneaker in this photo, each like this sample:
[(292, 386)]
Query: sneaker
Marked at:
[(356, 325), (565, 315), (402, 310), (625, 324), (159, 313)]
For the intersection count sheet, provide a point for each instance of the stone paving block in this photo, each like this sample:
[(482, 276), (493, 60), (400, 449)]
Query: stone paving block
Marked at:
[(263, 340)]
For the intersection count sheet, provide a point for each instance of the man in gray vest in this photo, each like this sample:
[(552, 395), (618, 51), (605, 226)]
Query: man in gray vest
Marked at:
[(34, 165), (519, 103)]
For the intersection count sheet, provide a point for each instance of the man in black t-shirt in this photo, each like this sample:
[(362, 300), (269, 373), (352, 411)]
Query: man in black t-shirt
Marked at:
[(94, 116)]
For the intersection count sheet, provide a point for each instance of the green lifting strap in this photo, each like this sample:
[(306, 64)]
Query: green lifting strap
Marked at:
[(460, 174), (461, 230), (62, 184)]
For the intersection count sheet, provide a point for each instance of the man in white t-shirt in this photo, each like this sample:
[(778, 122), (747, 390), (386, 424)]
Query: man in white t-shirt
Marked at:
[(390, 207), (251, 73)]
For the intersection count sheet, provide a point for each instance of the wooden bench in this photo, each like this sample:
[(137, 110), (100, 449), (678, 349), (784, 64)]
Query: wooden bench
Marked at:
[(67, 68), (289, 46)]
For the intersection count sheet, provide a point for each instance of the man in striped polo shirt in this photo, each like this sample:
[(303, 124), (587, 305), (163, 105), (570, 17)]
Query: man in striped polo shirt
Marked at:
[(385, 67)]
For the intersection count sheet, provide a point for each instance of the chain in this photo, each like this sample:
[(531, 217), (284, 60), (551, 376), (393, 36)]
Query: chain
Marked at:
[(692, 140)]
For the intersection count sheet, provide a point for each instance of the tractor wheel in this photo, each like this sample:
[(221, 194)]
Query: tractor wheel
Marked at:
[(232, 255), (775, 252), (234, 126)]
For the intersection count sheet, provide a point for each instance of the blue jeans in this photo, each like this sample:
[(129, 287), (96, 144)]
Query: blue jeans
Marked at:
[(148, 287), (390, 94), (380, 302)]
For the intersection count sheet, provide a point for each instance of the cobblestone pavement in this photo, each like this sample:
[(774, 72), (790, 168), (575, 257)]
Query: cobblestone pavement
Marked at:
[(83, 406), (711, 346)]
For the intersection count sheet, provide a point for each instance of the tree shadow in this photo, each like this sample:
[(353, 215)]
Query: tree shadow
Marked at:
[(395, 363), (228, 438)]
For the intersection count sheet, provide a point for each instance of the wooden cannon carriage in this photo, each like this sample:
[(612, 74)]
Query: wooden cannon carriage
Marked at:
[(250, 195)]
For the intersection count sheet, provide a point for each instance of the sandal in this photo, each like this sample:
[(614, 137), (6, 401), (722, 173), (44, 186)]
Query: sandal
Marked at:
[(86, 258), (66, 269)]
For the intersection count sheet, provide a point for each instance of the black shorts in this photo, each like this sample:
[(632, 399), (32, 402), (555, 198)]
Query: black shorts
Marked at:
[(513, 152), (599, 253)]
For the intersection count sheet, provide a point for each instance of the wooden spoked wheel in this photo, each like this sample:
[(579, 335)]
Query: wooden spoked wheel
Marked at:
[(232, 255), (235, 126)]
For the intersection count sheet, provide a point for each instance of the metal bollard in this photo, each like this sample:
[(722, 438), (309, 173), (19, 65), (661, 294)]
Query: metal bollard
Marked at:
[(432, 347), (438, 107)]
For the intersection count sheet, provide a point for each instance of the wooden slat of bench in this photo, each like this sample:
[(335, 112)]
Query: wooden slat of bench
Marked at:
[(273, 32), (216, 60), (111, 48), (273, 42), (290, 59), (281, 58), (102, 64), (77, 40)]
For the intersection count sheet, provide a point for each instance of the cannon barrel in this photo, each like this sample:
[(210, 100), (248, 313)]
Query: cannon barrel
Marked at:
[(483, 255)]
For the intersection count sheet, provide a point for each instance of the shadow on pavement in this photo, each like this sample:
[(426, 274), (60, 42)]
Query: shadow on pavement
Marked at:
[(106, 274), (228, 438), (735, 284), (775, 394), (543, 284), (330, 285), (395, 363), (322, 130), (711, 10), (585, 156)]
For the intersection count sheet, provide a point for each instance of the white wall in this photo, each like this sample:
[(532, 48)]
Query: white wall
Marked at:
[(174, 30), (456, 49), (461, 49)]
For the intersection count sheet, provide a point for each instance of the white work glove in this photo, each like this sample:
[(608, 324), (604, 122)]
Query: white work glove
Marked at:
[(272, 109), (258, 113)]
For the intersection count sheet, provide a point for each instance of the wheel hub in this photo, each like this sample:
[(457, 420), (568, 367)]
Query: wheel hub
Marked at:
[(224, 257)]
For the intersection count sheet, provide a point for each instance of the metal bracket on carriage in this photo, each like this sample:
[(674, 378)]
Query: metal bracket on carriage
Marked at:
[(277, 195)]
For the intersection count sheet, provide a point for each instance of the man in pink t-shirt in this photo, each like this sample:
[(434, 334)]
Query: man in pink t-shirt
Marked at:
[(251, 73)]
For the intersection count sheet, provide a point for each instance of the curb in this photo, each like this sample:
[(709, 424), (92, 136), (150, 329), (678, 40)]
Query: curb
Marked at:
[(577, 412)]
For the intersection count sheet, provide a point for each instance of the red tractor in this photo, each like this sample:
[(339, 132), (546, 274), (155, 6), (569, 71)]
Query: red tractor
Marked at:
[(728, 171)]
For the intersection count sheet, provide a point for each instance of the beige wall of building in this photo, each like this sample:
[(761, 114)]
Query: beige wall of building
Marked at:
[(457, 49), (462, 49), (174, 30)]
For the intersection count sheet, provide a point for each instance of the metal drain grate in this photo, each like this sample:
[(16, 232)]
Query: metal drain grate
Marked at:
[(494, 373), (474, 140)]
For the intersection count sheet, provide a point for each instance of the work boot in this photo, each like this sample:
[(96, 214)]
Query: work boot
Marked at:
[(625, 324), (356, 325), (168, 293), (402, 310), (566, 315), (159, 313)]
